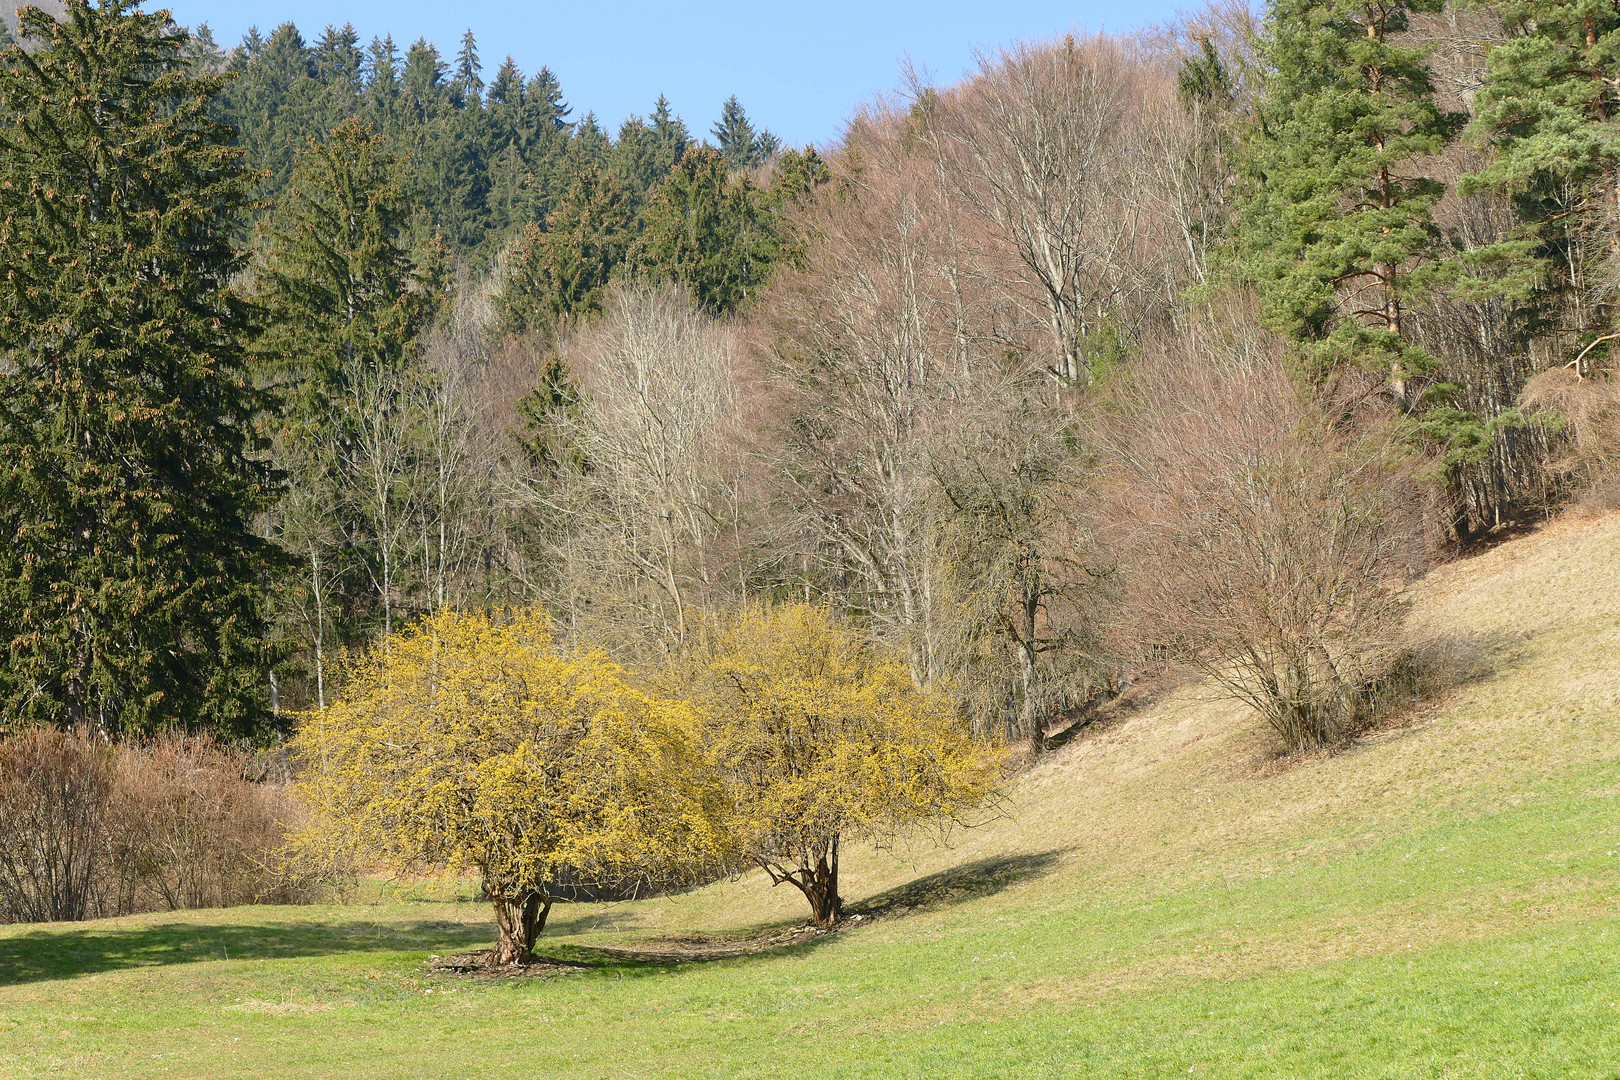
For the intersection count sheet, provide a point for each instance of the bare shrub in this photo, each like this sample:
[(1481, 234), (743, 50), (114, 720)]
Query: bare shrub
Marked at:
[(191, 832), (1589, 410), (89, 830), (1264, 546), (55, 790)]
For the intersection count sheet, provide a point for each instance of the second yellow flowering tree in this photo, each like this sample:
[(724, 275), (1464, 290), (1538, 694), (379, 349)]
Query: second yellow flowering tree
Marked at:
[(819, 738)]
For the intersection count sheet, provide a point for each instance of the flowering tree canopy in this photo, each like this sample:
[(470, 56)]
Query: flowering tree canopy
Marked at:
[(472, 743), (820, 738)]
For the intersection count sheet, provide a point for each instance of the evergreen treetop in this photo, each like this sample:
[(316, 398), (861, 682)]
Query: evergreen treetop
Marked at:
[(1550, 110), (740, 145), (1338, 221), (710, 230), (337, 283), (669, 131), (468, 67), (507, 89)]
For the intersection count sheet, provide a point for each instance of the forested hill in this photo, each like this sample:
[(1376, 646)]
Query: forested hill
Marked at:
[(485, 152), (1194, 344)]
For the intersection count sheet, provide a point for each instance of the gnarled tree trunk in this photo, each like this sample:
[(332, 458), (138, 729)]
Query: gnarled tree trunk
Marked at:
[(521, 917), (817, 877)]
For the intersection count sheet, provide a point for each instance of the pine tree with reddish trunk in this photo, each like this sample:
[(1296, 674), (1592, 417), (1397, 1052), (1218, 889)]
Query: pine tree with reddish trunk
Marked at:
[(1337, 219)]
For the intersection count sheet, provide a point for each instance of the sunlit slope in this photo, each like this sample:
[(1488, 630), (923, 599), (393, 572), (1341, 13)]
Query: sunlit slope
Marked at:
[(1159, 900), (1181, 794)]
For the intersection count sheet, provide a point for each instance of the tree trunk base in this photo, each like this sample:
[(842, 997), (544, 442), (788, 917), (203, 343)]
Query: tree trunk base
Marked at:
[(817, 877), (521, 918)]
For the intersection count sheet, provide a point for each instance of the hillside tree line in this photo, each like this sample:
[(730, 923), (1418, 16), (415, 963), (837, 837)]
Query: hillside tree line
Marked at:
[(1192, 345)]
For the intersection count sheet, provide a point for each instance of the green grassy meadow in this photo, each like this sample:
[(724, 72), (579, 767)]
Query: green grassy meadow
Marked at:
[(1162, 900)]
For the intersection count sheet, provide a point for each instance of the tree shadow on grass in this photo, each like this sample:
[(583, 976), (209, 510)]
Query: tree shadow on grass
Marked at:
[(62, 953), (956, 885), (65, 951), (587, 917), (1431, 671)]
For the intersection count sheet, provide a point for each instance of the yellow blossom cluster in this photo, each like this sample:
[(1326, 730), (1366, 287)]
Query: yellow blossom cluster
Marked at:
[(479, 743)]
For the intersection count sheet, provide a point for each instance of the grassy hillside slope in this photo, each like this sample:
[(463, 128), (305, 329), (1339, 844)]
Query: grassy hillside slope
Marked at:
[(1438, 901)]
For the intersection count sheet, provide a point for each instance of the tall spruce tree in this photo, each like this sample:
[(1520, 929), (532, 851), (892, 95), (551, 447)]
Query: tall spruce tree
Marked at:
[(424, 80), (544, 112), (274, 100), (646, 151), (1338, 218), (382, 82), (468, 81), (507, 89), (669, 132), (338, 287), (132, 583), (201, 51), (561, 272), (713, 231), (635, 159), (344, 302)]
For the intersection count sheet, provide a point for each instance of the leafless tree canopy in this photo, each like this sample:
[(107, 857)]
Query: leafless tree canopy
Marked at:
[(661, 476), (1263, 545), (1064, 154)]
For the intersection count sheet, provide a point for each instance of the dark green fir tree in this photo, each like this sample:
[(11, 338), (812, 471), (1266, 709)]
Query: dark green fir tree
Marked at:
[(714, 231), (741, 146), (132, 581), (646, 151), (423, 80), (669, 133), (559, 273), (468, 84), (507, 89), (338, 286), (382, 83), (344, 303)]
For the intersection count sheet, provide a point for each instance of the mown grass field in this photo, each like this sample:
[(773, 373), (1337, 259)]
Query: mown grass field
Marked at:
[(1438, 901)]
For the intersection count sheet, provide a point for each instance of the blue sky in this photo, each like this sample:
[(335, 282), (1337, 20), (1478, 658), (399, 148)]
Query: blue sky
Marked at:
[(798, 68)]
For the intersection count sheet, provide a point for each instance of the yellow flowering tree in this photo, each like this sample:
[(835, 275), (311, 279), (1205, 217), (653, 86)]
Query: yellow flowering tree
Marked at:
[(821, 739), (477, 744)]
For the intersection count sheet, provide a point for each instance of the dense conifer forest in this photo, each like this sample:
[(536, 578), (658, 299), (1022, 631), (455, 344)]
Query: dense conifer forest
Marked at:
[(483, 151)]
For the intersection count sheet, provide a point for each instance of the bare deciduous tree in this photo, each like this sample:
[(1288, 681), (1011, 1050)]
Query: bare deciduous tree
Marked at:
[(382, 462), (658, 436), (1264, 545), (1021, 577), (882, 329), (1042, 147)]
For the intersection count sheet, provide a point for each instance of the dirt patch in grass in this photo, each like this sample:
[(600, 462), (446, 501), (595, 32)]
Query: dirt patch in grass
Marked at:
[(482, 965), (697, 948), (282, 1008), (673, 949)]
